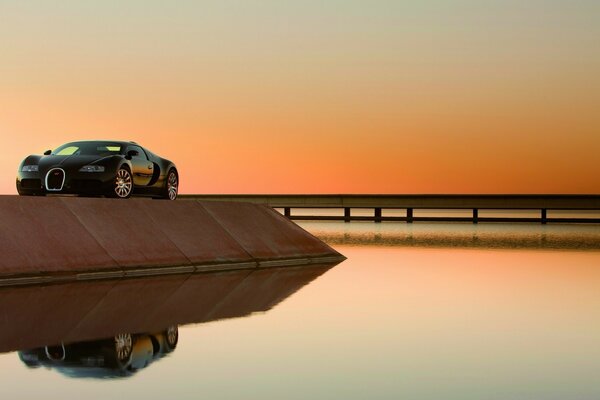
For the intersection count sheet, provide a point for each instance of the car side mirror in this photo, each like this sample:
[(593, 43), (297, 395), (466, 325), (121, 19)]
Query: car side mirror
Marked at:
[(47, 152), (132, 153)]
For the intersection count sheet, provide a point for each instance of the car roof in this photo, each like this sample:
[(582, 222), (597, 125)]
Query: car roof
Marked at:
[(121, 142)]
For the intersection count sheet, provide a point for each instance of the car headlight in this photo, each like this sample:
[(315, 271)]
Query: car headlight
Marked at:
[(30, 168), (92, 168)]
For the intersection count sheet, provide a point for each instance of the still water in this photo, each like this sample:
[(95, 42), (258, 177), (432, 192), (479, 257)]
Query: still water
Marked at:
[(427, 311)]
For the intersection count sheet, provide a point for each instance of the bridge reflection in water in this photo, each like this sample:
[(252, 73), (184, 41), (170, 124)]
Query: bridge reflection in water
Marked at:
[(110, 329)]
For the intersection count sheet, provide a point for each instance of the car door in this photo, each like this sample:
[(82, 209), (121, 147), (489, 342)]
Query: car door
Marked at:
[(142, 167)]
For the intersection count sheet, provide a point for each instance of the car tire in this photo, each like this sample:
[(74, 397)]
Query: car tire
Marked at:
[(171, 189), (122, 186)]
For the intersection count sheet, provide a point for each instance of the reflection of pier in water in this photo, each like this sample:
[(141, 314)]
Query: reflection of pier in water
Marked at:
[(39, 316)]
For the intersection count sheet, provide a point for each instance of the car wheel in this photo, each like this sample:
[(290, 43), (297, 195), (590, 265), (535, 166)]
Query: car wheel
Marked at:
[(123, 184), (123, 347), (172, 186), (171, 337)]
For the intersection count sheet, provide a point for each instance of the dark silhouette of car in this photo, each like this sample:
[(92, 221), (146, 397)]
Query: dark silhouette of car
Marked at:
[(118, 356), (99, 167)]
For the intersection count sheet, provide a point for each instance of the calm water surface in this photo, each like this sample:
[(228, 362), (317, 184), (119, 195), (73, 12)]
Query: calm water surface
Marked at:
[(428, 311)]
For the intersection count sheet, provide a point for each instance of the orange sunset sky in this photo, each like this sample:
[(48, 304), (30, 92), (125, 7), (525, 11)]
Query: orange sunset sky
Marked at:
[(314, 96)]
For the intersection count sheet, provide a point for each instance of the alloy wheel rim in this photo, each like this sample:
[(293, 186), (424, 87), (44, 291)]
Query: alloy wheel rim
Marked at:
[(172, 186), (123, 344), (172, 335), (123, 183)]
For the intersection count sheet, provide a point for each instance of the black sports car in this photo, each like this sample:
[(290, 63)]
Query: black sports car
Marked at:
[(118, 356), (99, 167)]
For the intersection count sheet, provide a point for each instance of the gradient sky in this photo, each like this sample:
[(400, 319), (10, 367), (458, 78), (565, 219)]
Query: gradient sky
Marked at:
[(314, 96)]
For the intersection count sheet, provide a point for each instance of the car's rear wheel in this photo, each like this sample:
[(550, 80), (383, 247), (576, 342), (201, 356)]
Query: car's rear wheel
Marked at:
[(123, 184), (171, 186)]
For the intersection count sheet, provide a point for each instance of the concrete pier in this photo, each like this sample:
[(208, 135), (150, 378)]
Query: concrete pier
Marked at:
[(55, 239)]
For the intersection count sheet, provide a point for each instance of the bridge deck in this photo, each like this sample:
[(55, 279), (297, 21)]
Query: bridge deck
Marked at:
[(347, 202)]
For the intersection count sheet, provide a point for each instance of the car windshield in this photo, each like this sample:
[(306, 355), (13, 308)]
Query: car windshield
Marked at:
[(88, 149)]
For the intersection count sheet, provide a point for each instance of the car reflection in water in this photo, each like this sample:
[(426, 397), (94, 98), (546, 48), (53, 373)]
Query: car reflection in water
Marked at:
[(113, 328), (118, 356)]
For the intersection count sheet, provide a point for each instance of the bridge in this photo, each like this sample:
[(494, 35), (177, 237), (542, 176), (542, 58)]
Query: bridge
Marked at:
[(542, 204)]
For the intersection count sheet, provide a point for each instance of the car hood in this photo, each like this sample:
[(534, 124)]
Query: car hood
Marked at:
[(73, 161)]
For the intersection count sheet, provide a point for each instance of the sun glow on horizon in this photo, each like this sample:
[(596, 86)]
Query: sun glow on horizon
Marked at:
[(305, 97)]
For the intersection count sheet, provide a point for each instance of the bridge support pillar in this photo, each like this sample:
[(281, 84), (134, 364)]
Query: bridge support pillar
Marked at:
[(346, 214), (287, 211), (377, 214), (544, 216), (409, 215), (475, 215)]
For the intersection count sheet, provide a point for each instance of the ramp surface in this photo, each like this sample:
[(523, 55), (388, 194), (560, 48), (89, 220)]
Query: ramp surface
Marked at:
[(50, 239)]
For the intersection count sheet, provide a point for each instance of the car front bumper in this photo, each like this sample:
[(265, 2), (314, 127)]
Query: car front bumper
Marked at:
[(85, 183)]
